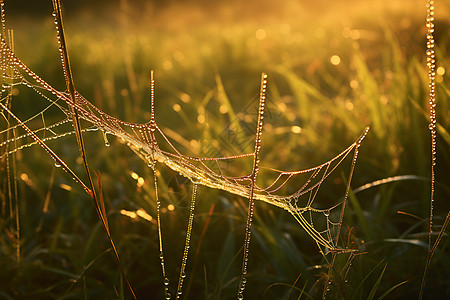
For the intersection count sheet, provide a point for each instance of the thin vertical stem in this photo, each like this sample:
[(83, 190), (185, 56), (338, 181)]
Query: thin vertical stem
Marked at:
[(259, 127), (166, 280), (187, 241), (431, 64), (78, 131)]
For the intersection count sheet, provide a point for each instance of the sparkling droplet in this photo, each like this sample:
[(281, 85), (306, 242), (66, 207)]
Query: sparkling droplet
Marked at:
[(105, 139), (166, 281)]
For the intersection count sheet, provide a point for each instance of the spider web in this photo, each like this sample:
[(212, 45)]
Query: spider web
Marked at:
[(144, 140), (150, 143)]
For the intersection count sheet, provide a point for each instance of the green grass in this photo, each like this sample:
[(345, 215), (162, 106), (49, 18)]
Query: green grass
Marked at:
[(381, 82)]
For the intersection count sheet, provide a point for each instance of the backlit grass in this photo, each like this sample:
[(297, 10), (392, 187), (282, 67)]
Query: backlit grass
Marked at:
[(331, 73)]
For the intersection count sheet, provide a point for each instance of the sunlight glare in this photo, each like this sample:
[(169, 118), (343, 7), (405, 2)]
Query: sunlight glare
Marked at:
[(144, 215), (335, 60)]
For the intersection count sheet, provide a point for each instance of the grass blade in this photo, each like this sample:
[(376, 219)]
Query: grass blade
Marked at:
[(391, 289), (377, 283), (78, 131)]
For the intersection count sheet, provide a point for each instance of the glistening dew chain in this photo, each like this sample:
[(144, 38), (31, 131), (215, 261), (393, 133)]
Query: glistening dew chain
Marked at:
[(321, 222)]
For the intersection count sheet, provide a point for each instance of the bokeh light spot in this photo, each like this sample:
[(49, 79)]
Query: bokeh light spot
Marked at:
[(143, 214), (201, 119), (296, 129), (223, 109), (261, 34), (354, 84), (185, 97), (176, 107), (335, 60)]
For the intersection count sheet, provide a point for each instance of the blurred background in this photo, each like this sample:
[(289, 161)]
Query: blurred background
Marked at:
[(334, 68)]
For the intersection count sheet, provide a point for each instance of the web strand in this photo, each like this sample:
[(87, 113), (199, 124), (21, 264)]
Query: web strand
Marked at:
[(148, 141)]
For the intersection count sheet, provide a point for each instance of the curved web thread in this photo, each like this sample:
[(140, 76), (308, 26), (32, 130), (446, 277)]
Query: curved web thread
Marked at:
[(145, 140)]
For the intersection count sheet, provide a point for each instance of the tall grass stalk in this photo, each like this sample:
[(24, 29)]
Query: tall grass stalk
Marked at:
[(98, 201), (382, 86)]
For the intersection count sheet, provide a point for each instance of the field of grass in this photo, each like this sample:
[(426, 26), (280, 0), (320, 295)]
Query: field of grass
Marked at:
[(332, 71)]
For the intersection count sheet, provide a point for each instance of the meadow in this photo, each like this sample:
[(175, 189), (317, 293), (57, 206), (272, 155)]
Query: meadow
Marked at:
[(332, 71)]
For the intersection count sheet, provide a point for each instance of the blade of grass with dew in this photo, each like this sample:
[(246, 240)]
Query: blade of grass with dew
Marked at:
[(254, 174), (77, 126), (187, 241), (431, 63)]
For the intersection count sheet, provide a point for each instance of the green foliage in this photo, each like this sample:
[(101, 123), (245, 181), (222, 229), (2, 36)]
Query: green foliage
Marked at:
[(212, 71)]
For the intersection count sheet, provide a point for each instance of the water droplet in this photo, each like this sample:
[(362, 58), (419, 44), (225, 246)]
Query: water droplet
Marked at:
[(105, 139), (57, 164), (326, 213), (166, 281)]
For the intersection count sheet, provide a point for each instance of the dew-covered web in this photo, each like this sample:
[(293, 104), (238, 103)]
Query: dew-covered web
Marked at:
[(323, 223)]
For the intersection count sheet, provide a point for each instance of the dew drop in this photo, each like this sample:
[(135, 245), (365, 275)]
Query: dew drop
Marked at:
[(105, 139), (166, 281)]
